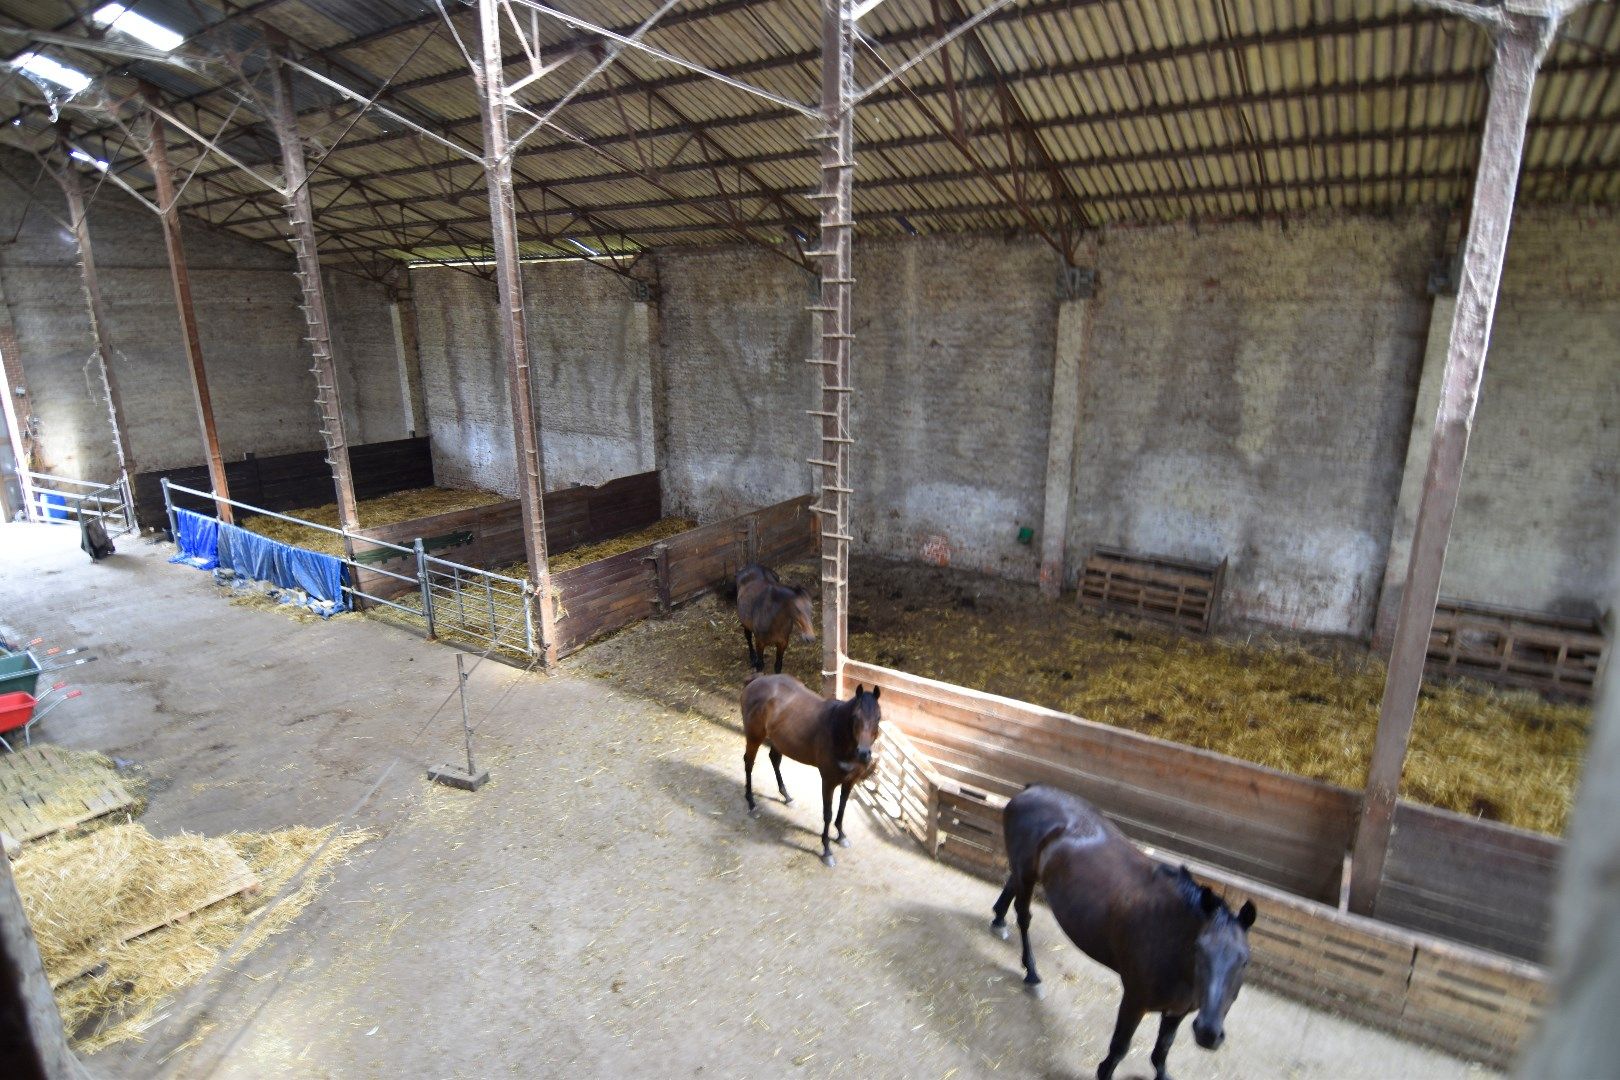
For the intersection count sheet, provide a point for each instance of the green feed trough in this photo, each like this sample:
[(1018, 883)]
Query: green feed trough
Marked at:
[(18, 671)]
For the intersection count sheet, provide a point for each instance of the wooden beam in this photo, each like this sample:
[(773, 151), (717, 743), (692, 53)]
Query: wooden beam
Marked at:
[(514, 330), (1519, 46), (836, 317), (301, 215), (157, 159)]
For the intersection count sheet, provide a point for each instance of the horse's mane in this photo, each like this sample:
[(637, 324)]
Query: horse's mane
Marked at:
[(1192, 892)]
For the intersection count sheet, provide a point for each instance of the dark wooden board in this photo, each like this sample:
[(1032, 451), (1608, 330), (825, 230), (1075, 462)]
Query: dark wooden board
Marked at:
[(284, 482)]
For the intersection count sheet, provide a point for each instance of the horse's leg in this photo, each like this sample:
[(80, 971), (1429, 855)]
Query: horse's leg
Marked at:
[(998, 925), (843, 801), (779, 649), (751, 752), (776, 763), (1161, 1048), (1021, 898), (1130, 1015), (827, 787), (756, 660)]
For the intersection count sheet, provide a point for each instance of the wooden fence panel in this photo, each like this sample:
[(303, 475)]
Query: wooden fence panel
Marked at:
[(610, 594), (1469, 880), (1276, 828)]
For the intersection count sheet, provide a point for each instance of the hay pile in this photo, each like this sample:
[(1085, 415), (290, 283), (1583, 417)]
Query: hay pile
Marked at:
[(384, 510), (63, 793), (83, 895)]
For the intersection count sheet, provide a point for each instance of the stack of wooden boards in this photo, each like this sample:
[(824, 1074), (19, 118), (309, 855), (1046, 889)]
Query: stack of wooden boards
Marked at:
[(1175, 591)]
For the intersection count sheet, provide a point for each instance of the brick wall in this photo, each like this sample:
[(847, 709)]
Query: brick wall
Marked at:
[(251, 329), (590, 368)]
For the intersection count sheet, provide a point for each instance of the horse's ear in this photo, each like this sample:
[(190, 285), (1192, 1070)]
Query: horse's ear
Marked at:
[(1246, 914), (877, 692), (859, 689), (1208, 902)]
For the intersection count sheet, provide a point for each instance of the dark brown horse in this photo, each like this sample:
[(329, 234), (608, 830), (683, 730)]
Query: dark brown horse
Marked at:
[(835, 736), (772, 612), (1176, 945)]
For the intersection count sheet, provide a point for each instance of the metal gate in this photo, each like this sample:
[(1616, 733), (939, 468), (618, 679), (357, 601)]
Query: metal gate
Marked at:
[(58, 500)]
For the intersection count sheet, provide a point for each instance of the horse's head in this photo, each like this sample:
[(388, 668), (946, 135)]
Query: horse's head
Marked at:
[(864, 717), (804, 622), (1222, 958)]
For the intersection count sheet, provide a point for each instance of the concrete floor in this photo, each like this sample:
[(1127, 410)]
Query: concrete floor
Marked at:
[(603, 908)]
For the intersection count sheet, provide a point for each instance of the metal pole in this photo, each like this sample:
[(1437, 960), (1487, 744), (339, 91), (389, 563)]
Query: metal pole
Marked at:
[(1519, 46), (466, 728), (168, 508), (301, 215), (426, 586), (157, 159), (514, 334), (836, 311), (73, 191)]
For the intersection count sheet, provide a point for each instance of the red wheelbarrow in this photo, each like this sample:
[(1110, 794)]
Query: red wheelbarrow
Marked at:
[(22, 711)]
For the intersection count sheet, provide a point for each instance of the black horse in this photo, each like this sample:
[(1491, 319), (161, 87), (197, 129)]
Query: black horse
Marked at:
[(1176, 945)]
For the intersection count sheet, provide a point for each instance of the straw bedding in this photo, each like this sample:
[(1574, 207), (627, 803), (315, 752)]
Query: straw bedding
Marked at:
[(384, 510), (1309, 708), (84, 895)]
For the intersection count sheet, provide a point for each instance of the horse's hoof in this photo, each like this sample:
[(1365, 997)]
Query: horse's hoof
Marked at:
[(1000, 930), (828, 861), (1036, 989), (787, 800), (843, 841), (753, 811)]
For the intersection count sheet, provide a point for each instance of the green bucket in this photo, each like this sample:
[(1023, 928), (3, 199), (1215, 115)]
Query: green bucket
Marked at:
[(19, 671)]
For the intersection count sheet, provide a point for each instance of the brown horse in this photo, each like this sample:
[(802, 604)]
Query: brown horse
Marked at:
[(835, 736), (1176, 945), (771, 611)]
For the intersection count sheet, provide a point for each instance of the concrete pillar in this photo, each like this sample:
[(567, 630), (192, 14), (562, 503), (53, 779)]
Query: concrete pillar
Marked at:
[(1424, 411), (408, 355), (1578, 1036), (1074, 319)]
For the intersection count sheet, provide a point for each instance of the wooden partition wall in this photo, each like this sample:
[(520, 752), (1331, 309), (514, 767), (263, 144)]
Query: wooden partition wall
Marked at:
[(952, 757), (610, 594), (491, 537)]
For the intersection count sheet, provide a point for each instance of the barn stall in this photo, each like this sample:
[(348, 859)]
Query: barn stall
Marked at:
[(971, 440)]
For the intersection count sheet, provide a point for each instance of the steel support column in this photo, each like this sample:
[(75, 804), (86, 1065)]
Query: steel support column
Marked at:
[(301, 215), (1520, 42), (73, 192), (514, 333), (157, 159), (835, 311)]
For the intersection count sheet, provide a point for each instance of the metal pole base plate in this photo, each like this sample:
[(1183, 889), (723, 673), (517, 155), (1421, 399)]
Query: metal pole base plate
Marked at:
[(451, 776)]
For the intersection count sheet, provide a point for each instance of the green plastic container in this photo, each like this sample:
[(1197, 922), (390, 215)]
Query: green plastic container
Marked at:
[(19, 671)]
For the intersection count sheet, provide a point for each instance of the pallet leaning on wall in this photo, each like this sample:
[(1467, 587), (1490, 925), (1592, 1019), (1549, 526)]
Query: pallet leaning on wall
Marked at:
[(1176, 591), (1508, 647)]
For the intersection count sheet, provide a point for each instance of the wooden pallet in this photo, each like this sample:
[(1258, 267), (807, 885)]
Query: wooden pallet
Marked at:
[(1509, 647), (30, 778), (1176, 591)]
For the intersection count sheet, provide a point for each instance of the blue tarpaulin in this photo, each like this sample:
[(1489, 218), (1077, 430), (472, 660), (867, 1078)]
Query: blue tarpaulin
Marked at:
[(258, 558), (197, 537), (247, 553)]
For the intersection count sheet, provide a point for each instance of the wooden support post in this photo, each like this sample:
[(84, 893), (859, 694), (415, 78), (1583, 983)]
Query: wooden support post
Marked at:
[(1520, 43), (318, 327), (73, 192), (1073, 319), (157, 159), (514, 332), (835, 310), (661, 567)]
